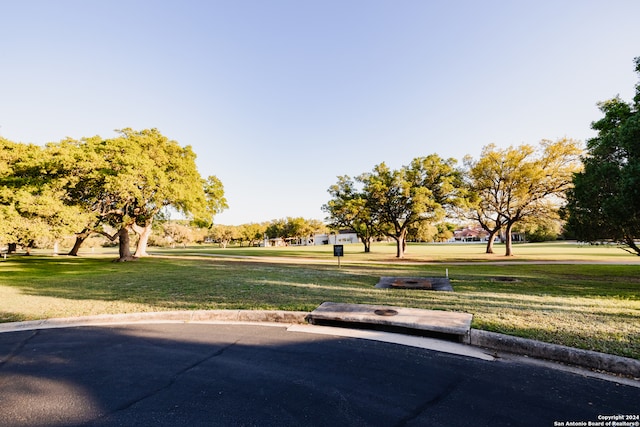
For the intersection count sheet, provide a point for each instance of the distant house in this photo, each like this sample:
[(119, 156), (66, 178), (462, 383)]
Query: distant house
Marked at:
[(478, 234), (278, 241), (469, 234)]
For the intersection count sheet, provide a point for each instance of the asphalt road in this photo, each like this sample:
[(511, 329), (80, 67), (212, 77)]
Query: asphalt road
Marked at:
[(254, 375)]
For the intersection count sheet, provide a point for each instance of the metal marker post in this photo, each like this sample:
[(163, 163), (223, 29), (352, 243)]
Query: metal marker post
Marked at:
[(338, 250)]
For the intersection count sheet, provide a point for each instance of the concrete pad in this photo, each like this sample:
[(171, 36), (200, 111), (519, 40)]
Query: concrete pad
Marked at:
[(443, 322), (423, 283), (418, 342)]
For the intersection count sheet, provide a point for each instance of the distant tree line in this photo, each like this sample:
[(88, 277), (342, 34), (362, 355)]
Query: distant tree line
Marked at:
[(504, 187), (169, 232), (283, 231), (287, 230)]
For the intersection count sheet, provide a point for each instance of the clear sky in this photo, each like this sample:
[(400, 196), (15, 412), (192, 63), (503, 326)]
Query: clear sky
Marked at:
[(278, 97)]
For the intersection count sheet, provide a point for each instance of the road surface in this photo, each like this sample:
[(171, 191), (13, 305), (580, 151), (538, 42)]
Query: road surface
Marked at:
[(177, 374)]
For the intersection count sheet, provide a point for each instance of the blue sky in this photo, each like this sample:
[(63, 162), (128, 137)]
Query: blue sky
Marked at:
[(278, 97)]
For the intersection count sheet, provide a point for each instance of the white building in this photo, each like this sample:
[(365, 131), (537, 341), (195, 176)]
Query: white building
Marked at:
[(342, 238)]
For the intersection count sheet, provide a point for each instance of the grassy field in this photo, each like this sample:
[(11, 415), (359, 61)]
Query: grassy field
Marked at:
[(580, 299), (385, 252)]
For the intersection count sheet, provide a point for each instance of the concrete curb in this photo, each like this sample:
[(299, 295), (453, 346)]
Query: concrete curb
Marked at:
[(478, 338), (557, 353), (276, 316)]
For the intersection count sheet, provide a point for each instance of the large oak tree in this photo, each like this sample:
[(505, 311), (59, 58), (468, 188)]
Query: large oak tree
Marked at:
[(138, 174), (348, 208), (605, 202), (392, 202), (511, 185), (122, 183), (422, 191)]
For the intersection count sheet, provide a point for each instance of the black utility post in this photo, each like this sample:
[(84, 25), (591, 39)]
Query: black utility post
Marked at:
[(338, 250)]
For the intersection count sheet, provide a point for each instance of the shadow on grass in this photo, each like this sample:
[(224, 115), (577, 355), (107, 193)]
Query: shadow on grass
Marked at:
[(6, 317), (212, 283)]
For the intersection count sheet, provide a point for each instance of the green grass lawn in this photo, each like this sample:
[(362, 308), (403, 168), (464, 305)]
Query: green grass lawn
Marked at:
[(385, 252), (592, 305)]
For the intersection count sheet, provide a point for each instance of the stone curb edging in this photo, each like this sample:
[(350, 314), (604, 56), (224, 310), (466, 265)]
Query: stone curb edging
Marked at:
[(554, 352), (478, 338), (276, 316)]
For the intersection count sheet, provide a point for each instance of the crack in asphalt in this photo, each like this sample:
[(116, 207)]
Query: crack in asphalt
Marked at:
[(170, 383), (17, 349), (432, 402)]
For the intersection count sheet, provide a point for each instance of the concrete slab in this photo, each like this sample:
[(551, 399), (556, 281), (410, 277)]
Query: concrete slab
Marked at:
[(424, 283), (441, 322), (418, 342)]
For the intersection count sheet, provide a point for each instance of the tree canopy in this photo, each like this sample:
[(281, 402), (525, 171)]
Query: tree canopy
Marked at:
[(34, 205), (141, 172), (516, 184), (84, 186), (605, 201), (392, 202), (348, 208), (511, 185)]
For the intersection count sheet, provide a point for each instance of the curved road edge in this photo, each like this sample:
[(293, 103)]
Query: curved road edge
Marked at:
[(557, 353), (478, 338)]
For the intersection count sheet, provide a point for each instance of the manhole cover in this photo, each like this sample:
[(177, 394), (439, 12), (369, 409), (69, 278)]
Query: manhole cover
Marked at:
[(385, 312)]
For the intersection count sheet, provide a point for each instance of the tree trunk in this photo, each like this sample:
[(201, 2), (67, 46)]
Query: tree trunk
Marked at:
[(143, 240), (12, 248), (508, 240), (80, 238), (630, 241), (124, 241), (401, 243), (367, 245), (492, 238)]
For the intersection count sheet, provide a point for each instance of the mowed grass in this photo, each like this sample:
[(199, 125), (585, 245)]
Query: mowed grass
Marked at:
[(471, 252), (590, 305)]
